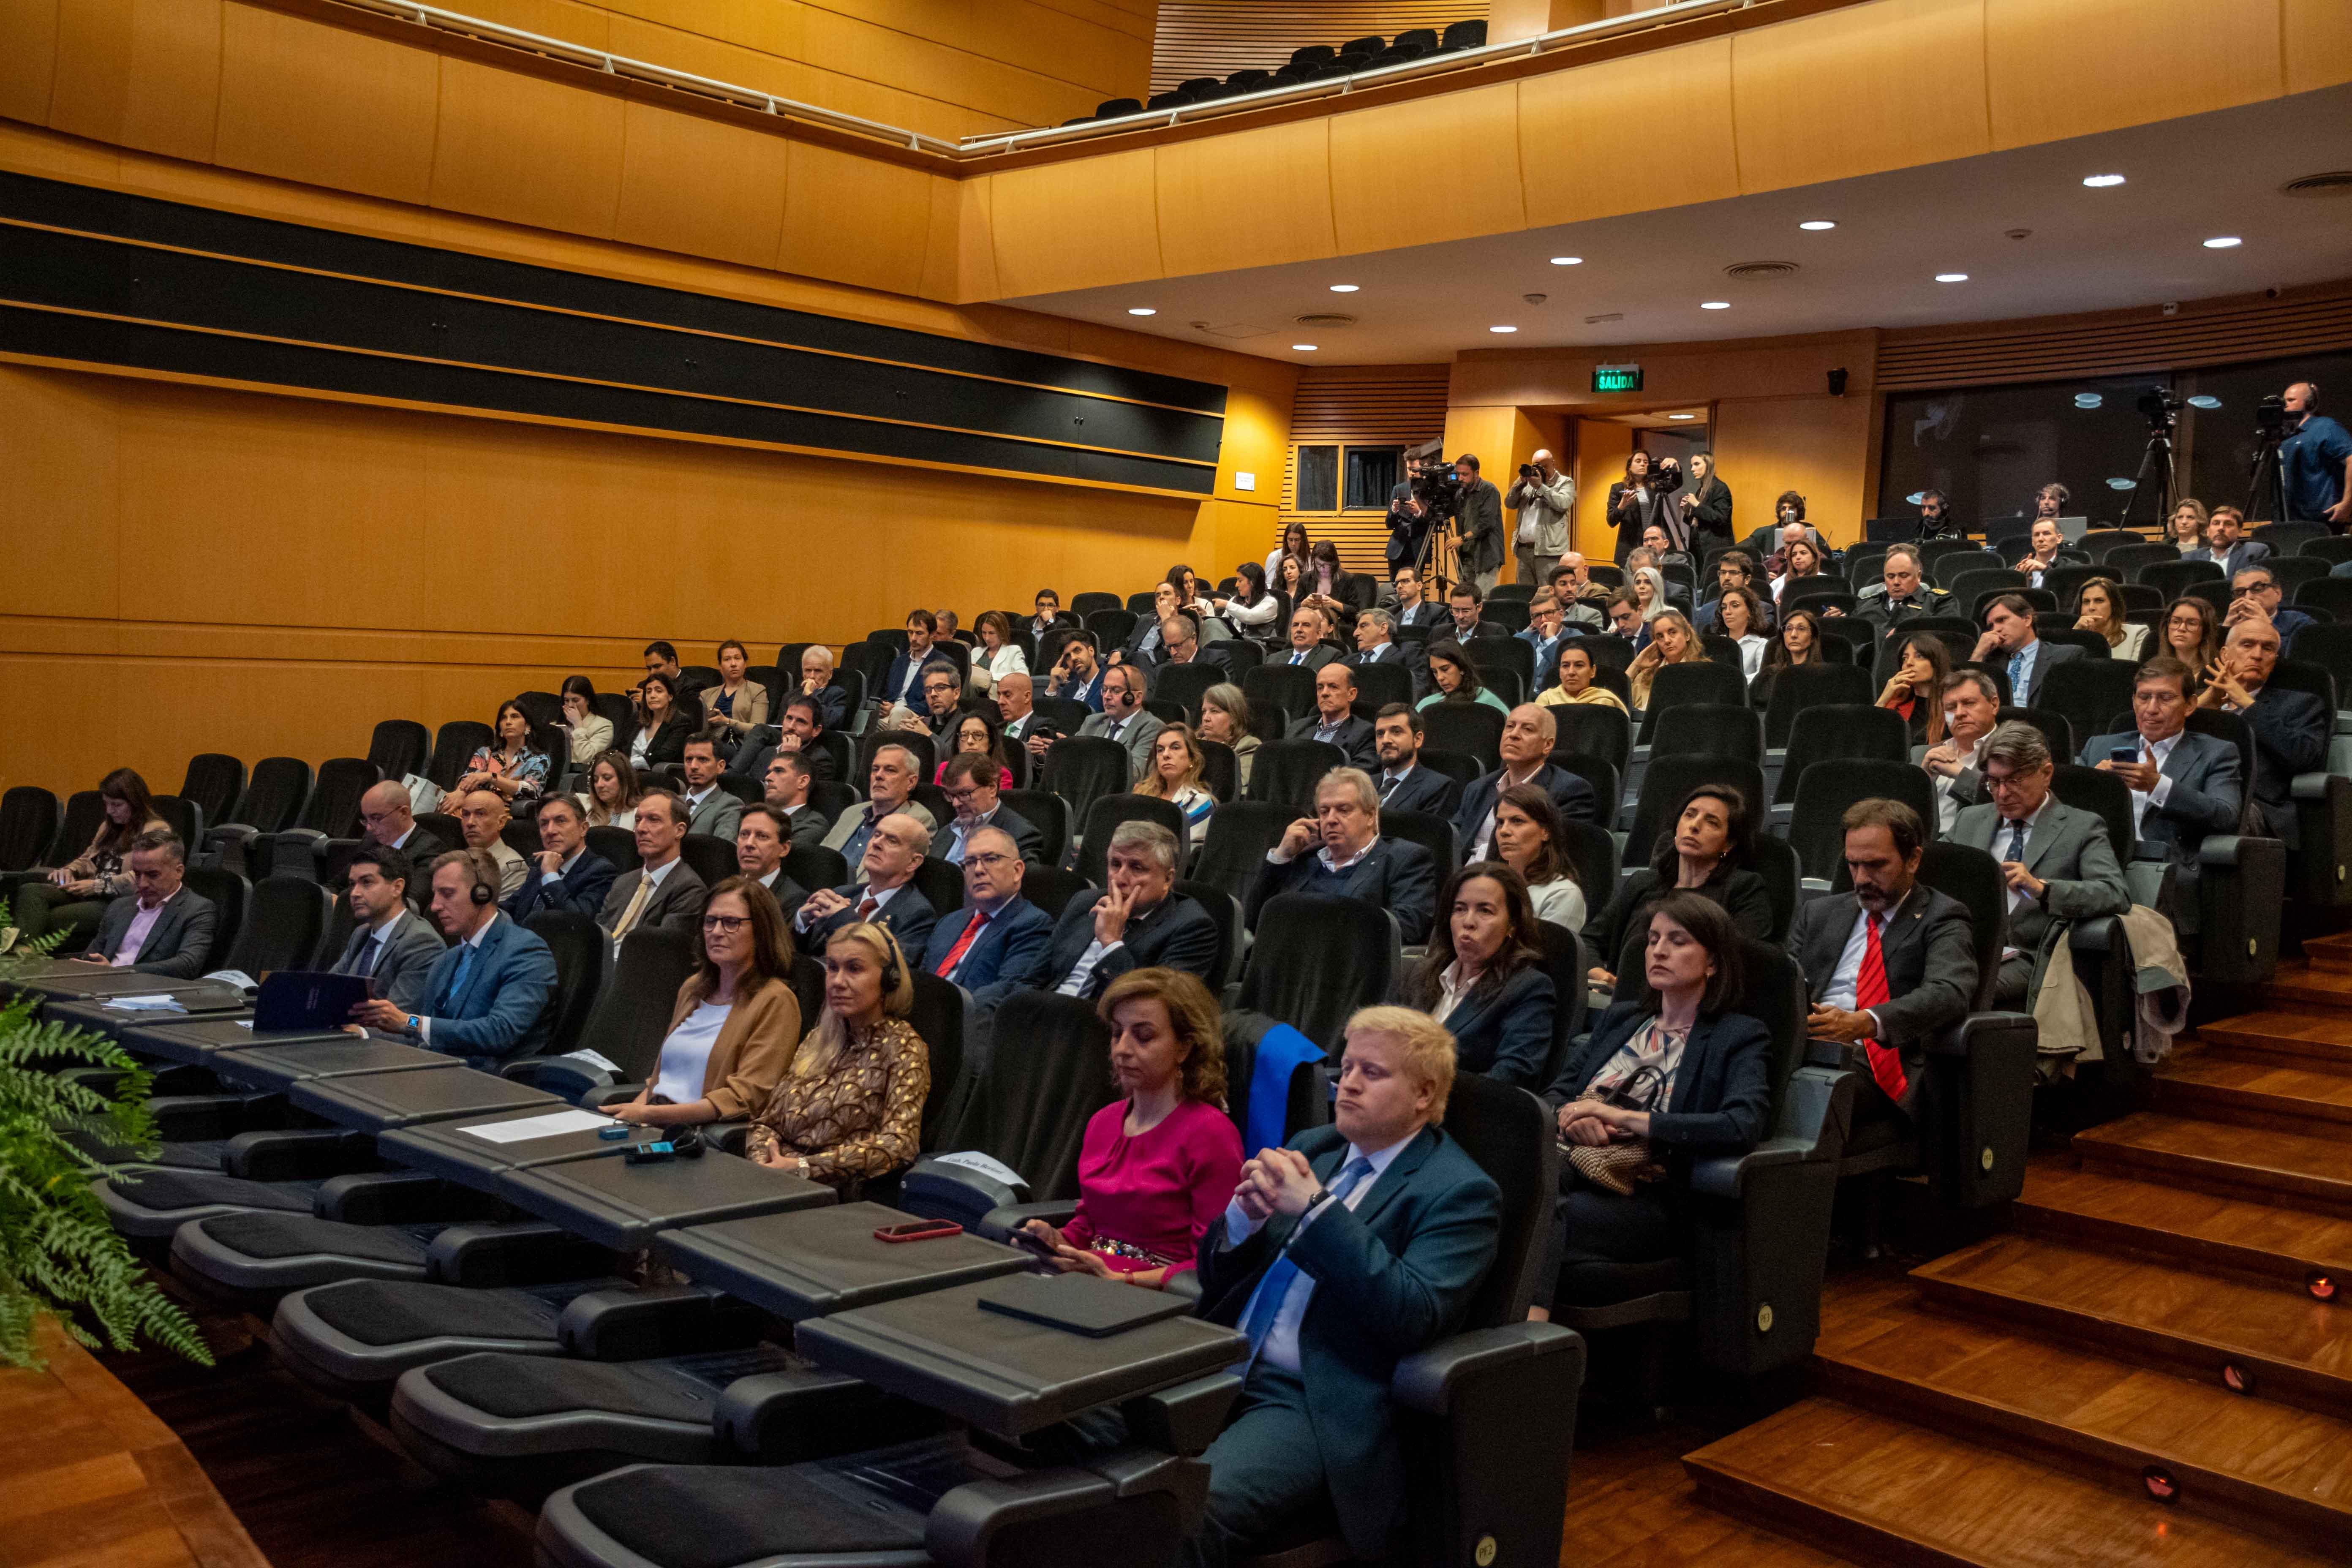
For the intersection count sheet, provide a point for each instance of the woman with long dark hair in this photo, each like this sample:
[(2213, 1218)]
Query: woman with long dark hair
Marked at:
[(73, 897), (1707, 505), (1456, 680), (1252, 608), (1295, 546), (1798, 641), (1483, 976), (1708, 849), (589, 731), (508, 765), (2099, 607), (738, 704), (663, 727), (1636, 501), (1915, 690), (977, 732), (1527, 840)]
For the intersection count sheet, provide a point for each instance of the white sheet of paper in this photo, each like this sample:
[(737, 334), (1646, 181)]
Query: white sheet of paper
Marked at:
[(237, 977), (155, 1001), (549, 1126), (600, 1062)]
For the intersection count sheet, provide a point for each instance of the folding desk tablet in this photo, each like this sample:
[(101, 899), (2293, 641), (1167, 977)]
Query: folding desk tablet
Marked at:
[(192, 1042), (816, 1262), (379, 1102), (73, 982), (475, 1151), (1010, 1375), (197, 999), (279, 1066), (621, 1206)]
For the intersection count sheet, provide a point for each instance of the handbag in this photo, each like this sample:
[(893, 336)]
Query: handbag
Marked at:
[(1620, 1166)]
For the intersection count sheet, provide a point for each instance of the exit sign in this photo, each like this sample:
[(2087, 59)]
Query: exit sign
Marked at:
[(1616, 378)]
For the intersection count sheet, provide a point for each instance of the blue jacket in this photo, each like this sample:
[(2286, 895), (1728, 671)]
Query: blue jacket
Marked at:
[(1393, 875), (908, 916), (1507, 1033), (507, 1006), (1008, 955), (580, 890), (1393, 1276)]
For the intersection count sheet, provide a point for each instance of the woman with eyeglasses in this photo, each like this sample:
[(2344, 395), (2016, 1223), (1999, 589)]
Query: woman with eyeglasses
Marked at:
[(2192, 633), (977, 733), (850, 1106), (732, 1032)]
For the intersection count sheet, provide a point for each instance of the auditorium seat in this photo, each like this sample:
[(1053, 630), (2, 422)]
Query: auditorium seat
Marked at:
[(1112, 107), (617, 845), (1432, 833), (1083, 768), (1465, 35), (2175, 578), (712, 859), (625, 1026), (29, 818), (1240, 834), (1825, 790), (1286, 772), (1709, 730), (1802, 686), (1106, 816), (1183, 683), (1317, 959), (1665, 784), (272, 802), (1833, 732), (285, 924), (459, 739), (1467, 729), (2093, 695), (214, 782), (331, 812)]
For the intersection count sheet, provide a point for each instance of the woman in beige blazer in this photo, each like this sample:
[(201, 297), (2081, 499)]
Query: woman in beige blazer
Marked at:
[(736, 1023), (738, 704)]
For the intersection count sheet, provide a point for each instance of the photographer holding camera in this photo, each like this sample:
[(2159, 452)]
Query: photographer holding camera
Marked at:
[(1543, 498), (2314, 460), (1645, 497)]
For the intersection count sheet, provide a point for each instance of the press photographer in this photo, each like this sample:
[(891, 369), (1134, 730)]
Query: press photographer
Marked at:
[(1543, 497)]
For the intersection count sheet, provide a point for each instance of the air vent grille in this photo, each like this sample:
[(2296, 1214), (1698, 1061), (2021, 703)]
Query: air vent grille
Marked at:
[(1755, 271), (2334, 183), (1326, 319)]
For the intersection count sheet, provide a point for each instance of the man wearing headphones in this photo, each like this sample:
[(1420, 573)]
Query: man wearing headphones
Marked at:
[(491, 996)]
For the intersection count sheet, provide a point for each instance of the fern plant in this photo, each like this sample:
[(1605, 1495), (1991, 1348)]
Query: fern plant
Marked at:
[(58, 1254)]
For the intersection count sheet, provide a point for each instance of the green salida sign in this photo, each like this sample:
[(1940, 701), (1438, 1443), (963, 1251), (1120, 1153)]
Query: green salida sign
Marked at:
[(1616, 378)]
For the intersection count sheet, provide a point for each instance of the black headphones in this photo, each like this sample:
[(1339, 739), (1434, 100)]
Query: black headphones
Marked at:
[(890, 973), (483, 889)]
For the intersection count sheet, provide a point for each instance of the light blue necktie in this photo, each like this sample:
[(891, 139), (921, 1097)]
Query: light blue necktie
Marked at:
[(456, 985), (1266, 1305)]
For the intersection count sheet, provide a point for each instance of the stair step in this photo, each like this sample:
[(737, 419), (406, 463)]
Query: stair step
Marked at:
[(2155, 1313), (2198, 1228), (2264, 1164), (2323, 1038), (2311, 985), (2331, 952), (2197, 1083), (1893, 1491), (2253, 1464)]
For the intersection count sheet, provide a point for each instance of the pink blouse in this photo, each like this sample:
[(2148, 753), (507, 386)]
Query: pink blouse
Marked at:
[(1157, 1193)]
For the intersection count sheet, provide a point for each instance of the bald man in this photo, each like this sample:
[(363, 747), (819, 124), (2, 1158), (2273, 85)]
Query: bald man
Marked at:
[(388, 819), (1543, 498), (1016, 696), (2316, 460)]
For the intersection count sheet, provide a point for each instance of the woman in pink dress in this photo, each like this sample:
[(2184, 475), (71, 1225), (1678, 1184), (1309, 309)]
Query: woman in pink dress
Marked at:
[(1158, 1167)]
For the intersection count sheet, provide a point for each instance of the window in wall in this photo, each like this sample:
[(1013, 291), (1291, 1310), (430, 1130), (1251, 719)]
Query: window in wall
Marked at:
[(1319, 478), (2222, 404), (1372, 472)]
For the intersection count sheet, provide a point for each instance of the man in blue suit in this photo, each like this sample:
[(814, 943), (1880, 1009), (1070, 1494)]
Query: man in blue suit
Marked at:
[(2184, 784), (885, 892), (1141, 923), (997, 943), (1544, 631), (565, 874), (1353, 860), (1529, 734), (1359, 1246), (903, 684), (1404, 784), (1076, 675), (491, 996)]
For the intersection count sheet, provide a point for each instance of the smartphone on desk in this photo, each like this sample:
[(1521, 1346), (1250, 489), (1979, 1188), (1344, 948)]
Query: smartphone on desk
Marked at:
[(918, 1230)]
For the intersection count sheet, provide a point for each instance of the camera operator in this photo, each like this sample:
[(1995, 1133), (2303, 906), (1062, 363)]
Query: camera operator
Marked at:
[(1642, 497), (1412, 515), (1478, 512), (1543, 497), (2314, 460)]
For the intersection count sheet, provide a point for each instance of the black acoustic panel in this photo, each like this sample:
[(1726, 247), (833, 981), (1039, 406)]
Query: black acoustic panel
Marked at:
[(75, 272), (263, 239), (186, 352)]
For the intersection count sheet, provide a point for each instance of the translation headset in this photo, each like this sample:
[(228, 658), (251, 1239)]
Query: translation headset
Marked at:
[(485, 888), (890, 975)]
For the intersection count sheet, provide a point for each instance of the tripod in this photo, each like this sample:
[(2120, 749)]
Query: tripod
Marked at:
[(1439, 560), (2266, 481), (2157, 460)]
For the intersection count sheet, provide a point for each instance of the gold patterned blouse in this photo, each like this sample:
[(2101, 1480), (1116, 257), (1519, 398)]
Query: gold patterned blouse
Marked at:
[(864, 1118)]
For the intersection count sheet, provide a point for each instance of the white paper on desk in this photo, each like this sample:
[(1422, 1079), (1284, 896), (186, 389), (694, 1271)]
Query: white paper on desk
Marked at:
[(237, 977), (530, 1127), (244, 1023), (151, 1001)]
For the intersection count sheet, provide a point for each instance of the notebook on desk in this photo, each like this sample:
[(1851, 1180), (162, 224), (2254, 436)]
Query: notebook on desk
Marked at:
[(307, 999)]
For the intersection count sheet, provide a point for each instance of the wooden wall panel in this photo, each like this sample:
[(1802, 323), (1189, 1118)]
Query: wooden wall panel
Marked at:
[(2315, 40), (28, 59), (58, 461), (2057, 70), (1819, 446), (1601, 448), (1880, 118), (1367, 404), (303, 101), (1075, 226), (701, 187), (855, 221), (527, 150), (1211, 38), (1466, 141), (140, 73), (1251, 198), (1588, 143)]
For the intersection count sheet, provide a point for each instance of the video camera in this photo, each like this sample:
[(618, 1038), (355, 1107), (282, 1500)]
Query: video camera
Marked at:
[(1439, 488), (2160, 406), (2269, 417)]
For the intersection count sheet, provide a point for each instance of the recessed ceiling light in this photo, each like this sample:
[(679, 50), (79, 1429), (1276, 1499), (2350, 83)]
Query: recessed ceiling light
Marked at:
[(2088, 400), (1568, 261), (1815, 226), (2223, 242), (1951, 277), (1715, 305), (2101, 182), (1303, 348), (1141, 310), (1682, 415), (1501, 328), (1343, 288)]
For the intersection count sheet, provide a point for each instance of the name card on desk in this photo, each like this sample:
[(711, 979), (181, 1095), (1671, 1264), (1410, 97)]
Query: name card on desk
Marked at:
[(549, 1126)]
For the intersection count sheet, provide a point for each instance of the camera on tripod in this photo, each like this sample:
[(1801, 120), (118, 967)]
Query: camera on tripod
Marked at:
[(2269, 417), (1440, 489), (2160, 406)]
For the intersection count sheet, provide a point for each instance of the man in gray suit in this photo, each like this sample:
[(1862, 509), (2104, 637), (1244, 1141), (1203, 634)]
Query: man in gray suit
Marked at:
[(1308, 630), (158, 928), (1886, 964), (1122, 718), (2058, 861), (1956, 766), (2012, 648), (891, 778), (709, 808), (2184, 785), (663, 890), (392, 945)]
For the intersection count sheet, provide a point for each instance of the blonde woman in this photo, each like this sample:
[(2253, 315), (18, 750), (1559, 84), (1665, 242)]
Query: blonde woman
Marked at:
[(2099, 608), (2186, 529), (1671, 641), (850, 1106), (1174, 777)]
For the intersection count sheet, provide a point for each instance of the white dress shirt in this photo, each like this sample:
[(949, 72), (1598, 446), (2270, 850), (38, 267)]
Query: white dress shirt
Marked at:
[(1281, 1348), (1947, 810), (2155, 753), (1848, 973)]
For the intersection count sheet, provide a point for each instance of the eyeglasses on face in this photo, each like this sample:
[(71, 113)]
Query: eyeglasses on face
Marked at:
[(726, 925), (987, 860)]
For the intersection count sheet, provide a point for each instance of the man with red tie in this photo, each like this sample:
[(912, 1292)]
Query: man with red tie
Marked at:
[(1886, 964)]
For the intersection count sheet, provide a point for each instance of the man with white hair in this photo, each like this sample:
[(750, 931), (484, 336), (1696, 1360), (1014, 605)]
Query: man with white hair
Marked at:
[(2290, 727), (818, 683), (1352, 861), (1543, 497)]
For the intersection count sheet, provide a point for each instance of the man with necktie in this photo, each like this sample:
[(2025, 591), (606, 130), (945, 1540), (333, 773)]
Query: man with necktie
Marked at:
[(2012, 649), (1123, 719), (999, 941), (1339, 1256), (664, 889), (2184, 785), (491, 996), (883, 893), (392, 947), (1308, 630), (1886, 964)]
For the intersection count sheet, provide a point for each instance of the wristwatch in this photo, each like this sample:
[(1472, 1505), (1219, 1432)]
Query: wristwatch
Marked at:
[(414, 1026), (1317, 1202)]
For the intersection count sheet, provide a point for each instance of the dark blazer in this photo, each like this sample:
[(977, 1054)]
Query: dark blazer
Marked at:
[(1506, 1033), (1921, 601), (1929, 950), (1546, 654), (1316, 656), (1009, 954), (676, 902), (1393, 1276), (1631, 512), (582, 889), (2207, 795), (176, 943), (2049, 655), (1355, 738), (1408, 653), (1176, 933), (1480, 512), (1025, 836), (421, 848), (1393, 875), (2291, 730), (1089, 692), (1424, 614), (2236, 559), (1570, 796), (1723, 1090), (1423, 789), (1741, 892), (809, 825), (2069, 850), (894, 682), (400, 974), (506, 1008), (908, 916), (668, 743), (832, 702), (1711, 509)]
